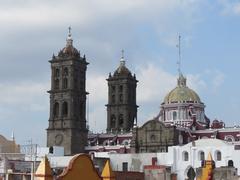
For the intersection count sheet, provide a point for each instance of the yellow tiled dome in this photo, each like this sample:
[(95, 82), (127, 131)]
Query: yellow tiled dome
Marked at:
[(182, 94)]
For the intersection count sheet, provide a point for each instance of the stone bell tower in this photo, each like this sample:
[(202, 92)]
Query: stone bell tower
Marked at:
[(121, 107), (67, 121)]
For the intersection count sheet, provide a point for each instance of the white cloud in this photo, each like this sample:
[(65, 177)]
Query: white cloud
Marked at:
[(25, 95), (154, 83), (24, 109), (98, 119), (213, 79), (97, 87), (96, 114), (196, 82), (230, 7), (84, 13), (218, 80)]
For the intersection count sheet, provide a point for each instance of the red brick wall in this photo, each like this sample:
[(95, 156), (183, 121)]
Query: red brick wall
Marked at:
[(128, 175)]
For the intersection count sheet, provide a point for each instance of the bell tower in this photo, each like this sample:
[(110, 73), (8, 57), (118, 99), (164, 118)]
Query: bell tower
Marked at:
[(67, 121), (121, 107)]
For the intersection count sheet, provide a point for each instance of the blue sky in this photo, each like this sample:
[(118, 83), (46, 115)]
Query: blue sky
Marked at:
[(31, 31)]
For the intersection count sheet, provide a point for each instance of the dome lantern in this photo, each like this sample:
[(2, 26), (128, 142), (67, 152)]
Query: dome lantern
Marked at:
[(182, 81), (69, 50), (182, 93), (69, 38), (122, 69)]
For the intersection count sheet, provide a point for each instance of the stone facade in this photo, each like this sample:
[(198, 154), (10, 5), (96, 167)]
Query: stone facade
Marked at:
[(154, 136), (67, 121), (121, 107)]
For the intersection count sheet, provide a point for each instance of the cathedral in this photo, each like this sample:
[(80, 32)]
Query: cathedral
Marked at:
[(181, 118)]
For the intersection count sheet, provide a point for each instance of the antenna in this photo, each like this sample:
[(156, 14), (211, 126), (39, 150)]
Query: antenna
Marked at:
[(179, 55)]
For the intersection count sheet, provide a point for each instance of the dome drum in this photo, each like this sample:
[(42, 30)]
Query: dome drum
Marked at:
[(182, 104)]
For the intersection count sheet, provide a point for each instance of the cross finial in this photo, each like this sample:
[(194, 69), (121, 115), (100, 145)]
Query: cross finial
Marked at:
[(69, 38), (69, 30), (122, 54), (179, 54), (122, 61)]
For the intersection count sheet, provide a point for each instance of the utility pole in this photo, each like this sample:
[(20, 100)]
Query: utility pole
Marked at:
[(33, 158)]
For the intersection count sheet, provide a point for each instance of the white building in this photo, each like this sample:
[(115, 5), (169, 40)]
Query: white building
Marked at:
[(180, 158)]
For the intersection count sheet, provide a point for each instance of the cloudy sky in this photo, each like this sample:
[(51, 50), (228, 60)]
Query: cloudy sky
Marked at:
[(31, 31)]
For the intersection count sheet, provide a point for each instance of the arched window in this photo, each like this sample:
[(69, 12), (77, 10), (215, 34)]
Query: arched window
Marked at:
[(120, 97), (65, 109), (120, 120), (113, 98), (113, 121), (229, 138), (56, 109), (174, 115), (191, 174), (185, 156), (125, 142), (113, 88), (120, 88), (57, 72), (153, 138), (106, 142), (230, 163), (201, 156), (50, 150), (56, 84), (218, 155), (65, 83), (65, 72)]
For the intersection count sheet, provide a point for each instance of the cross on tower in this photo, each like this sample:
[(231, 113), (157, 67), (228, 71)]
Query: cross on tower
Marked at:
[(69, 30), (122, 54)]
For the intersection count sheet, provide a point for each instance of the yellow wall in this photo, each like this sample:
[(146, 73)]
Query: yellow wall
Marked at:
[(44, 171), (8, 146), (107, 173), (80, 168), (207, 169)]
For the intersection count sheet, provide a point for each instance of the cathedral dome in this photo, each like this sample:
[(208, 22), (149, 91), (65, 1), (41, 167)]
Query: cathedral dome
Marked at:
[(69, 49), (182, 94), (122, 69)]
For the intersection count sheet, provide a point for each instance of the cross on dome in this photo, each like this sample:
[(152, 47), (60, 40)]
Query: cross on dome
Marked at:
[(122, 61), (182, 81), (69, 38)]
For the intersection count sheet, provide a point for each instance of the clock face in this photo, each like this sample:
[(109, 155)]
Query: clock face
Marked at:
[(58, 139)]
